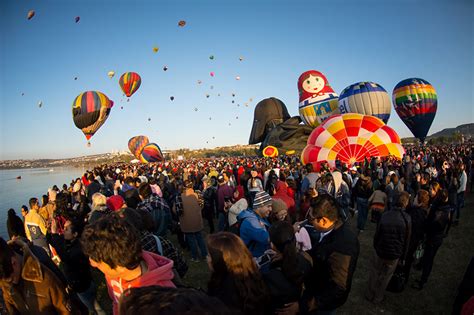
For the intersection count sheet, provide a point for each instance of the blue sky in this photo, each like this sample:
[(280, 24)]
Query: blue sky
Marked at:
[(349, 41)]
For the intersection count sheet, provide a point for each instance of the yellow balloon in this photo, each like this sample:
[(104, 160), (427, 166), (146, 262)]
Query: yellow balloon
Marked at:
[(155, 49)]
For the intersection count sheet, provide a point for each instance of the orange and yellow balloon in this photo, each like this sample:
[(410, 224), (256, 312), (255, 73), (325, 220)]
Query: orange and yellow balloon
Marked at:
[(270, 151)]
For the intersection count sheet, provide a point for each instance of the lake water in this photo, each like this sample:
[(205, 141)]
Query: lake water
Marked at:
[(34, 182)]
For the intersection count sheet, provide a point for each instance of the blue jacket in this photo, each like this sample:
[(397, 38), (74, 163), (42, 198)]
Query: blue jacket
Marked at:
[(253, 231)]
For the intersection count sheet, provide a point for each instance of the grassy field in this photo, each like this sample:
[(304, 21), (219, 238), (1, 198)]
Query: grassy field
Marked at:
[(436, 298)]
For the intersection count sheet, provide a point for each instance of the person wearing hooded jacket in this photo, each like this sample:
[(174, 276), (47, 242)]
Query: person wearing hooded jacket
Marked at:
[(114, 247)]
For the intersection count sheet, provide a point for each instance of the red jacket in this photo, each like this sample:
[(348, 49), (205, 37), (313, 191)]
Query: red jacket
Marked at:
[(281, 193)]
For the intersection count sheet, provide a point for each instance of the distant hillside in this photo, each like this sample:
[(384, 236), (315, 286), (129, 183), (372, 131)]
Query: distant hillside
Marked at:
[(448, 135), (466, 130)]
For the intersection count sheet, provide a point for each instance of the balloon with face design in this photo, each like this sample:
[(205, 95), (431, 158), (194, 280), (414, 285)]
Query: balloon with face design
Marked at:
[(317, 100)]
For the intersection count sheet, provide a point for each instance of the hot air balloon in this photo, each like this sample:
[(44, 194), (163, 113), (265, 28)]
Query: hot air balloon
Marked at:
[(351, 138), (270, 151), (130, 82), (30, 14), (318, 101), (111, 74), (366, 98), (155, 49), (172, 98), (151, 153), (90, 110), (237, 78), (182, 23), (211, 57), (415, 101), (165, 68), (136, 145), (212, 73), (77, 19)]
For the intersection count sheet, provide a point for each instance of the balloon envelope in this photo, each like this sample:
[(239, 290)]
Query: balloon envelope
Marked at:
[(30, 14), (151, 153), (366, 98), (111, 74), (136, 145), (90, 110), (270, 151), (351, 138), (130, 82), (317, 100), (416, 102), (77, 19)]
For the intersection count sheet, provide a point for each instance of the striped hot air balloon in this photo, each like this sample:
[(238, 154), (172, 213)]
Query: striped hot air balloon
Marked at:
[(90, 110), (366, 98), (136, 145), (151, 153), (351, 138), (130, 82), (416, 102)]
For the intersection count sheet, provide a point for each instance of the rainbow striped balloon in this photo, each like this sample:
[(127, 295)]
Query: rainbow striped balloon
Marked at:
[(90, 110), (130, 82), (351, 138), (136, 145), (416, 102), (151, 153)]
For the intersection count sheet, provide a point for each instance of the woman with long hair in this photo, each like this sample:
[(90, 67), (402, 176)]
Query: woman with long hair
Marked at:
[(235, 278), (287, 271)]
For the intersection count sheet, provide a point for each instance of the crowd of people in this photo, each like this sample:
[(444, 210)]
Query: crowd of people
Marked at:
[(275, 233)]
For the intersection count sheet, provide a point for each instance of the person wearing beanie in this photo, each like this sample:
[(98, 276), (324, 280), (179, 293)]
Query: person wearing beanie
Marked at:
[(279, 211), (115, 203), (254, 224)]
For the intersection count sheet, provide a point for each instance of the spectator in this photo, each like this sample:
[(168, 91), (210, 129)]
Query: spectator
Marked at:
[(254, 224), (15, 226), (157, 207), (391, 242), (35, 227), (235, 278), (114, 248)]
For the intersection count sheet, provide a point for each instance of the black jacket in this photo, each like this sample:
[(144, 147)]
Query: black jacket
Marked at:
[(392, 234), (282, 290), (334, 263), (75, 263), (15, 226), (418, 216), (436, 223)]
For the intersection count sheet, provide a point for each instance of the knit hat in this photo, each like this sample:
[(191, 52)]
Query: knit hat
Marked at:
[(262, 198), (278, 205), (115, 202)]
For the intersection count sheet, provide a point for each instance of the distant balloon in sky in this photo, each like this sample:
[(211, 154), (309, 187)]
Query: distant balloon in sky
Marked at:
[(182, 23), (366, 98), (77, 19), (195, 109), (233, 94), (30, 14), (155, 49), (40, 104), (111, 74), (237, 78), (130, 82), (75, 78), (210, 118), (172, 98), (22, 94), (199, 81), (415, 101), (212, 73), (241, 58), (317, 100), (207, 95), (212, 87), (165, 68), (90, 110), (211, 57)]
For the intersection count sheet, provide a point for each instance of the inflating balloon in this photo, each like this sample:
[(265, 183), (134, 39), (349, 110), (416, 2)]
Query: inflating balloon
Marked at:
[(130, 82), (30, 14), (416, 102), (151, 153), (366, 98), (77, 19), (270, 151), (90, 110), (136, 145), (111, 74), (351, 138), (318, 101)]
